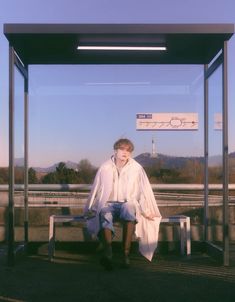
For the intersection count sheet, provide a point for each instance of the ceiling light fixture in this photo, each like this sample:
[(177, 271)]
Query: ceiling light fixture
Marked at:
[(138, 48)]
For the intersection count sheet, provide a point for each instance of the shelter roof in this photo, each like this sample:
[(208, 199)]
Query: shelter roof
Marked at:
[(57, 43)]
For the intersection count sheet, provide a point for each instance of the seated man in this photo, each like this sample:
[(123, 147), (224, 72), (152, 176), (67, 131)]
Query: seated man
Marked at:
[(121, 190)]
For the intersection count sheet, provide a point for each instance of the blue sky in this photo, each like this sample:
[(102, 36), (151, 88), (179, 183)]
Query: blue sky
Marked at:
[(110, 96)]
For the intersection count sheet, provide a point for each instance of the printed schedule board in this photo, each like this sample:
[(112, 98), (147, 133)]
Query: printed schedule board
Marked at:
[(167, 121)]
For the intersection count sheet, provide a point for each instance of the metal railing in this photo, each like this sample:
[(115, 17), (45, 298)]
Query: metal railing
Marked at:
[(87, 187), (75, 195)]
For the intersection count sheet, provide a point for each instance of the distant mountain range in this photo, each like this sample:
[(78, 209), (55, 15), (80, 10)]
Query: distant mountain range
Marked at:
[(19, 162), (171, 162), (166, 161), (145, 159), (69, 164)]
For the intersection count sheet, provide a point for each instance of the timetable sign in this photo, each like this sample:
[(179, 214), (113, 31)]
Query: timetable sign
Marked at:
[(167, 121)]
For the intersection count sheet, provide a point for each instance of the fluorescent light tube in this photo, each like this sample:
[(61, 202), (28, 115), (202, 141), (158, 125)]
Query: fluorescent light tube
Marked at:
[(138, 48)]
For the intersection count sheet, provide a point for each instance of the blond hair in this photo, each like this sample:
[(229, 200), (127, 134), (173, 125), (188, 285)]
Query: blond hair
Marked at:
[(123, 142)]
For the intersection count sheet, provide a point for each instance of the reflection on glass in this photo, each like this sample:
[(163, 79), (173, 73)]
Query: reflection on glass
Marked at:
[(215, 156)]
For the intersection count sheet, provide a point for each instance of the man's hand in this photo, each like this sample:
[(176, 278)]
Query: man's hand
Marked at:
[(149, 216)]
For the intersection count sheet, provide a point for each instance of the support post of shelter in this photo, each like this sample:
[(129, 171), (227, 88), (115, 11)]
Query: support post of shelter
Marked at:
[(10, 234), (225, 159), (26, 214), (206, 183)]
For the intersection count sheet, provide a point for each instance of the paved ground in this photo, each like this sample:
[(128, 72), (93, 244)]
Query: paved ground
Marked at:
[(75, 275)]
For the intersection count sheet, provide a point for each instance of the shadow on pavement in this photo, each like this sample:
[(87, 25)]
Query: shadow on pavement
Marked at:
[(75, 275)]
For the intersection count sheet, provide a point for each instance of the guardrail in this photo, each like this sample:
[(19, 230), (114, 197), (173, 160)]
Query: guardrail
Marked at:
[(75, 195), (87, 187)]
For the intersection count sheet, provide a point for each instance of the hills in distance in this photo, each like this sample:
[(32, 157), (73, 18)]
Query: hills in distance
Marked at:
[(69, 164), (145, 159)]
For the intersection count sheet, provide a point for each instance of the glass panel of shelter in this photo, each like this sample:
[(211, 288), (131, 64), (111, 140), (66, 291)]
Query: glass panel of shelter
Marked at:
[(215, 161), (100, 103), (19, 169)]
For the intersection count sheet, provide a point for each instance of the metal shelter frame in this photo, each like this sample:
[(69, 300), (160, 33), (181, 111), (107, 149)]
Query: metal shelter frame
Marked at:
[(57, 43)]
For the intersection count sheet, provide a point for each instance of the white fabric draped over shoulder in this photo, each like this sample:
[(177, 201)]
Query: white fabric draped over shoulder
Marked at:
[(134, 186)]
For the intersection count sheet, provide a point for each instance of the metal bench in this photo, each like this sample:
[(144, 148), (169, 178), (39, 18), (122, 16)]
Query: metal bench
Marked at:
[(184, 222), (185, 231)]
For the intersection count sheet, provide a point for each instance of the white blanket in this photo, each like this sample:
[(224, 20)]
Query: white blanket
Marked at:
[(133, 185)]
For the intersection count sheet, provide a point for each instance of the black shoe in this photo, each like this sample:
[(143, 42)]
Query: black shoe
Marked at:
[(106, 263)]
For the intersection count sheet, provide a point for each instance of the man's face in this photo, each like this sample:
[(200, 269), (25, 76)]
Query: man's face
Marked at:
[(123, 153)]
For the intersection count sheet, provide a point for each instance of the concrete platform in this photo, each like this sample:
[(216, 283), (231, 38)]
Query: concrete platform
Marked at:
[(76, 275)]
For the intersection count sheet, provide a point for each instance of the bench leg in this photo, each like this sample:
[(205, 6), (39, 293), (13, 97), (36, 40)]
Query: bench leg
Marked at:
[(188, 236), (182, 237), (51, 244)]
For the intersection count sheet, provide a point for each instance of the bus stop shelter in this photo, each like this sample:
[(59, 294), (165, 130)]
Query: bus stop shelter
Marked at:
[(204, 44)]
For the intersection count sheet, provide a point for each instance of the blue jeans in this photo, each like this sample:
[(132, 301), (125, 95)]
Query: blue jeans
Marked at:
[(114, 211)]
